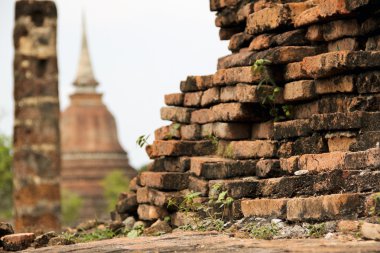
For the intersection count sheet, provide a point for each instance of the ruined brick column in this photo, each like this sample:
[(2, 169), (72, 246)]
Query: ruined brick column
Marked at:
[(36, 163)]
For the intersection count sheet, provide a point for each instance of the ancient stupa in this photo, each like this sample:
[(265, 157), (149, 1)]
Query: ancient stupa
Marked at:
[(90, 145)]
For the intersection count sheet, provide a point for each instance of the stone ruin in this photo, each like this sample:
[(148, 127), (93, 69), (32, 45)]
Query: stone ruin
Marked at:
[(289, 123), (36, 142)]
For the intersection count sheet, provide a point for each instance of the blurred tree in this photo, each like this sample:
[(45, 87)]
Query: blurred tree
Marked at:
[(114, 184), (71, 205), (5, 177)]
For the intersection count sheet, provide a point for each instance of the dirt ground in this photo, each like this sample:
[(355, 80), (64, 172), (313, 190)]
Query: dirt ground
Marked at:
[(215, 242)]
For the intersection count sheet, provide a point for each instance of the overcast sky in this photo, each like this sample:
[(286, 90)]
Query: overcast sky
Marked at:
[(140, 51)]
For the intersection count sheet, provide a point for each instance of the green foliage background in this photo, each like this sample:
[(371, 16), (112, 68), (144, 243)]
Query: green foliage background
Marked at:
[(114, 184), (5, 178)]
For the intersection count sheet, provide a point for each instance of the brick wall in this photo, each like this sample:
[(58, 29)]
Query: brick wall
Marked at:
[(314, 160)]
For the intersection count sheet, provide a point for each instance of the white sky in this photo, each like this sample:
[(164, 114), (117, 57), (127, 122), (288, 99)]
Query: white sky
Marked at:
[(140, 51)]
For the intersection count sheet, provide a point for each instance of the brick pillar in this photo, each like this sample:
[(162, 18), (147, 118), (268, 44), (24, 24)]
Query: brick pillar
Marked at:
[(36, 141)]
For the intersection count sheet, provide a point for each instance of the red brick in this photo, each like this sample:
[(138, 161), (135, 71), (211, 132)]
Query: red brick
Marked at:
[(335, 85), (368, 82), (333, 30), (236, 75), (329, 8), (262, 130), (369, 159), (260, 42), (250, 149), (325, 207), (350, 44), (168, 132), (174, 99), (268, 168), (127, 204), (236, 188), (191, 132), (244, 12), (227, 33), (337, 121), (180, 148), (294, 71), (193, 99), (340, 141), (196, 83), (165, 180), (245, 93), (198, 185), (292, 128), (239, 41), (150, 213), (176, 114), (274, 17), (322, 162), (228, 112), (275, 208), (299, 91), (154, 197), (210, 97), (16, 242), (333, 63), (219, 168), (290, 164), (231, 131)]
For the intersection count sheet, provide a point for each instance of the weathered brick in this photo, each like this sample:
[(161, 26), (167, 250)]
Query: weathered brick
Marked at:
[(17, 242), (277, 55), (373, 43), (262, 130), (170, 164), (260, 42), (251, 149), (198, 185), (229, 112), (146, 195), (210, 97), (340, 141), (239, 41), (314, 144), (337, 121), (350, 44), (216, 5), (236, 188), (219, 168), (231, 131), (264, 207), (330, 8), (150, 213), (243, 12), (274, 17), (236, 75), (299, 90), (292, 128), (227, 33), (192, 99), (369, 159), (290, 164), (322, 162), (333, 63), (165, 180), (176, 114), (293, 71), (174, 99), (268, 168), (245, 93), (333, 30), (368, 82), (196, 83), (168, 132), (180, 148), (325, 207), (335, 85), (191, 132), (365, 140), (127, 204)]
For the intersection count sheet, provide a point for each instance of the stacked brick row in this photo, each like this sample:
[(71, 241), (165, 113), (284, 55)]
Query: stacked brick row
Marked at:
[(323, 162)]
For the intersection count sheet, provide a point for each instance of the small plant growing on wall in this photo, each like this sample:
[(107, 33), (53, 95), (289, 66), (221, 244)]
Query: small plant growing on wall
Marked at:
[(261, 66)]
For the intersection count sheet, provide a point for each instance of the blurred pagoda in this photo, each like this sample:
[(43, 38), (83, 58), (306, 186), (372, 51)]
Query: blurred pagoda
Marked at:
[(90, 144)]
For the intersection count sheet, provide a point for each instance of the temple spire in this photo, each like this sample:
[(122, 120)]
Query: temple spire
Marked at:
[(85, 80)]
